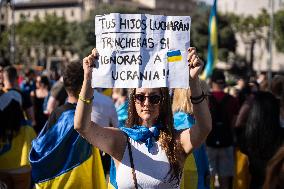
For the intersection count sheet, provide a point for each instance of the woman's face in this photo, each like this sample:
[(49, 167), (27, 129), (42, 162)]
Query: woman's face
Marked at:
[(147, 104), (38, 82)]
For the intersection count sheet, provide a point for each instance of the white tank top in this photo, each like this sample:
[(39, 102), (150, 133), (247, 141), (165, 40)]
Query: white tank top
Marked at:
[(151, 168)]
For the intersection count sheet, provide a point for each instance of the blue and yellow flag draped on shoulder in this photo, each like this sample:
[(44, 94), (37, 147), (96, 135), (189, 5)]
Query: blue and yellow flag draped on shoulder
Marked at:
[(15, 154), (212, 54), (196, 173), (61, 158)]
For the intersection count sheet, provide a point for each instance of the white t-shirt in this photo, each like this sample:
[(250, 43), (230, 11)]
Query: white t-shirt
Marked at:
[(103, 111), (151, 168)]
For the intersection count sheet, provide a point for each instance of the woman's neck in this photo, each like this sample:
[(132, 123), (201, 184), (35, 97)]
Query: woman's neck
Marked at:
[(148, 123)]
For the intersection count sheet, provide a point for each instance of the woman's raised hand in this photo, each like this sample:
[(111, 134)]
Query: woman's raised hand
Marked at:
[(195, 63), (89, 64)]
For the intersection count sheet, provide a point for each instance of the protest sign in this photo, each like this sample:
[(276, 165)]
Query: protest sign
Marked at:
[(141, 50)]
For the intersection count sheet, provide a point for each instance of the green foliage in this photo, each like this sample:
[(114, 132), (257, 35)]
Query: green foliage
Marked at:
[(251, 30), (4, 44), (279, 30), (200, 35)]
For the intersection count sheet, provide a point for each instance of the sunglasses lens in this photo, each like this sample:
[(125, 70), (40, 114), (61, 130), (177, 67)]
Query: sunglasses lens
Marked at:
[(139, 98), (155, 99)]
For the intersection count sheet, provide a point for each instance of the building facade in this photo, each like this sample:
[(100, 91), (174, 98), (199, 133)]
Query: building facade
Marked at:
[(261, 51), (72, 10)]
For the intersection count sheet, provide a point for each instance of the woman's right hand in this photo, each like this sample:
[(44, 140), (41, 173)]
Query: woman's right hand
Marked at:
[(89, 64)]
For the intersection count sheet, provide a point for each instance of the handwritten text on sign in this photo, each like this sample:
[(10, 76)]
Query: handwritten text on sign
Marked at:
[(141, 50)]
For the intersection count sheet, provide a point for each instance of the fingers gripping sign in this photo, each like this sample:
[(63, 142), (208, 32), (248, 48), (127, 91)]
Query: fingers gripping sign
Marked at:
[(89, 63), (195, 63)]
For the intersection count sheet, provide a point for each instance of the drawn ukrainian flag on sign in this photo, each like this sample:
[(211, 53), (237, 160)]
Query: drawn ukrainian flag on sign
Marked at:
[(174, 56)]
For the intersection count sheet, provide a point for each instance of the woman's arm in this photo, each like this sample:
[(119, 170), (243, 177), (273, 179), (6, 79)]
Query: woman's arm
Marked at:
[(109, 140), (192, 138)]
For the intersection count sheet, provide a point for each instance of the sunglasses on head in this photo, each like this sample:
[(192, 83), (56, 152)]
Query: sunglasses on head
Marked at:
[(153, 99)]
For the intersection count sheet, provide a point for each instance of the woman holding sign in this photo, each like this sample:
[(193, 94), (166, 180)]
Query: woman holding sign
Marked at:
[(148, 152)]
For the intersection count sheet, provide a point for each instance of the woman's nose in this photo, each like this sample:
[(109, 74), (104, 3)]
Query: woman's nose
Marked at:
[(147, 102)]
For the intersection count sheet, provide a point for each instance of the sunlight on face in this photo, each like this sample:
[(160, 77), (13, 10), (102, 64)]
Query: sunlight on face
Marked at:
[(146, 110)]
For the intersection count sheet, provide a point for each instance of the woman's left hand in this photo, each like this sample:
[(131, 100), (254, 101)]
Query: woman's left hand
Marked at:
[(195, 63)]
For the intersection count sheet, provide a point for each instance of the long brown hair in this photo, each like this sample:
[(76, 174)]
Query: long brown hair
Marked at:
[(167, 137), (275, 171)]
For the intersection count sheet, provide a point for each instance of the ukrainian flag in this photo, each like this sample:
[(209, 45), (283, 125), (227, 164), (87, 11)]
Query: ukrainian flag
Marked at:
[(174, 56), (212, 54), (61, 158), (15, 155), (196, 173)]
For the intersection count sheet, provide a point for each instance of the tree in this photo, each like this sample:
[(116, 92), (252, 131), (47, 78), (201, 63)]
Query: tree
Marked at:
[(251, 30), (40, 35), (279, 30), (200, 35), (4, 44)]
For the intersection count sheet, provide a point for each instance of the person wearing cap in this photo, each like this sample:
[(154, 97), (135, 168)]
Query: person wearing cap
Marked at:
[(224, 109)]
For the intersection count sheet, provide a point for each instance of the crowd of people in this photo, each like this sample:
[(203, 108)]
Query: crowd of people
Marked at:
[(61, 133)]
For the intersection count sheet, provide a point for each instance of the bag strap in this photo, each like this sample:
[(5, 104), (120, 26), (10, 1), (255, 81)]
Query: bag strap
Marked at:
[(132, 164)]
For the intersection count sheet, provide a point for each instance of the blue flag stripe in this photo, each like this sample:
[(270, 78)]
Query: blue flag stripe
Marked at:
[(174, 53), (50, 158)]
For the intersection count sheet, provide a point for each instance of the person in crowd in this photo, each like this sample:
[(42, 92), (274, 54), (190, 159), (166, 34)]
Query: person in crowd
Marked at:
[(274, 178), (262, 81), (277, 88), (15, 140), (11, 87), (57, 96), (196, 174), (3, 64), (28, 84), (148, 153), (39, 96), (262, 136), (224, 110), (60, 157), (103, 110), (104, 114), (120, 98), (242, 174)]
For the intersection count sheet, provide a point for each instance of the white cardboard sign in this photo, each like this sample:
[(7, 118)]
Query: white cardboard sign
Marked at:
[(141, 50)]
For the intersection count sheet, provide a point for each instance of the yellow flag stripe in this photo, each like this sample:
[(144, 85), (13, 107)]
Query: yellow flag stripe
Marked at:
[(174, 58)]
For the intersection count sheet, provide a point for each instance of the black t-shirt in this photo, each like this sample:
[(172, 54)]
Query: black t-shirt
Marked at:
[(26, 99)]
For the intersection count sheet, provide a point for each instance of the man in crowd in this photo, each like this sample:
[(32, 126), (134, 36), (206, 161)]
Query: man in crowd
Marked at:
[(11, 87), (60, 157), (224, 109)]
